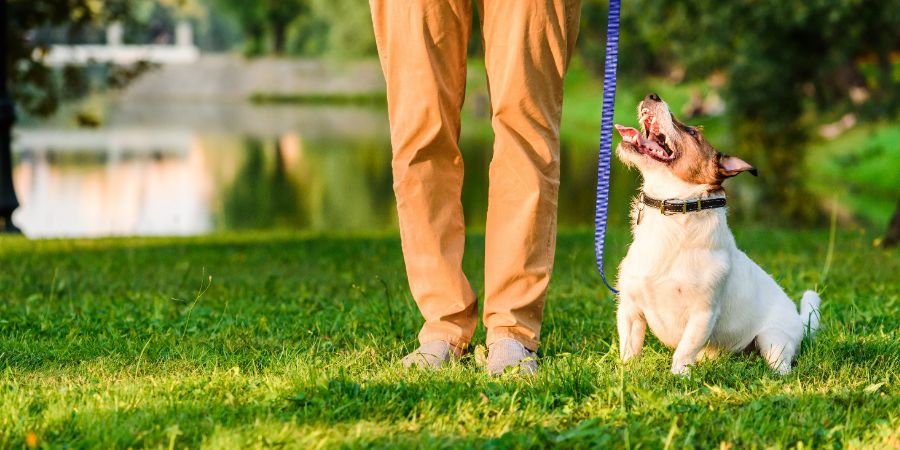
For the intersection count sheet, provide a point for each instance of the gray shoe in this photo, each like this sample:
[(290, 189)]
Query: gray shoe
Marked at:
[(507, 353), (430, 355)]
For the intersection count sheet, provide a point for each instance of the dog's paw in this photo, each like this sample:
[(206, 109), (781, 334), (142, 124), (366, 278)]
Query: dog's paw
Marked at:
[(681, 370), (783, 369)]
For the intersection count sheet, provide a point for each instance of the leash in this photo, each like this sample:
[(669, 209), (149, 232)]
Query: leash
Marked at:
[(609, 101)]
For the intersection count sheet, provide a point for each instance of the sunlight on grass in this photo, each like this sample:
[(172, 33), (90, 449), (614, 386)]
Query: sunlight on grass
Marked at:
[(295, 343)]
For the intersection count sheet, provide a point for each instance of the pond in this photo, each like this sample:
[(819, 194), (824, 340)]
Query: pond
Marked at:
[(188, 168)]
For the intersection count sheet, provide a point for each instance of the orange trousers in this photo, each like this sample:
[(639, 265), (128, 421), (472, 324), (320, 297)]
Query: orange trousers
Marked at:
[(422, 47)]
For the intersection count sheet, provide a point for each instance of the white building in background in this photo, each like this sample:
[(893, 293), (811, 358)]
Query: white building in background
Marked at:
[(116, 52)]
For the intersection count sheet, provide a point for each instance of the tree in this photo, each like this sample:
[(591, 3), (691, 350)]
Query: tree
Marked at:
[(346, 27), (32, 83), (785, 62), (37, 89), (265, 20)]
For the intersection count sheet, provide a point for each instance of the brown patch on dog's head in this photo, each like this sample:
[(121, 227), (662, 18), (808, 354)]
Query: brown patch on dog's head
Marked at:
[(681, 148)]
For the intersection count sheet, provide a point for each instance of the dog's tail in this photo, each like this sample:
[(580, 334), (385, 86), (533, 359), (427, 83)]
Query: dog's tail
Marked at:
[(809, 312)]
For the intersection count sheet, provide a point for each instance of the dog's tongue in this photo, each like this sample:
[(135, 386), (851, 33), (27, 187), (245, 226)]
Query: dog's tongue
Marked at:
[(627, 133), (634, 136)]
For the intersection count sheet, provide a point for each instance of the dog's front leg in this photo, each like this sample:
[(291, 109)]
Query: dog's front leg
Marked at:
[(696, 335), (632, 327)]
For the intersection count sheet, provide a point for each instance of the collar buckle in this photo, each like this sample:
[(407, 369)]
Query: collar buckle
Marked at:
[(664, 211)]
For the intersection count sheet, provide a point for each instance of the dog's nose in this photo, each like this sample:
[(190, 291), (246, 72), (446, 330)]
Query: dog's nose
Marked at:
[(654, 97)]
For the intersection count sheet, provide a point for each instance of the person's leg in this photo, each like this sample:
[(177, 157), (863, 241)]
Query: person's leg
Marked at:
[(422, 46), (528, 44)]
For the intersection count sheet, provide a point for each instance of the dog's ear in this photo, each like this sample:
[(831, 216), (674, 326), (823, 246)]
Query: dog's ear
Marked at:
[(730, 166)]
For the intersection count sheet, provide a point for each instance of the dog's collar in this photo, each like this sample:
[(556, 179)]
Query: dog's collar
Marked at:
[(670, 206)]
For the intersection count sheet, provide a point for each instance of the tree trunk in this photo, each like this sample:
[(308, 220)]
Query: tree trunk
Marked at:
[(279, 37), (8, 200), (885, 82), (892, 237)]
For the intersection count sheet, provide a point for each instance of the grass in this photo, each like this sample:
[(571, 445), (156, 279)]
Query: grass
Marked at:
[(861, 168), (284, 340)]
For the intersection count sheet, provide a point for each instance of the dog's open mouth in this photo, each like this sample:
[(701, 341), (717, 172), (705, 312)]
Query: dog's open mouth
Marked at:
[(651, 142)]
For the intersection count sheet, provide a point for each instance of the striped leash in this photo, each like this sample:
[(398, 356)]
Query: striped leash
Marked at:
[(603, 167)]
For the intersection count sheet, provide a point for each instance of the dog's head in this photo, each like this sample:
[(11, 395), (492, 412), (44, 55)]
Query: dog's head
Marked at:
[(669, 152)]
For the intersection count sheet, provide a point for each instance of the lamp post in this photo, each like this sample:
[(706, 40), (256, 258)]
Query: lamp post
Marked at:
[(8, 200)]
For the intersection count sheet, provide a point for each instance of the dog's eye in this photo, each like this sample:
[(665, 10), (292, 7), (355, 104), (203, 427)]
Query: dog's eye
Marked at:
[(692, 132)]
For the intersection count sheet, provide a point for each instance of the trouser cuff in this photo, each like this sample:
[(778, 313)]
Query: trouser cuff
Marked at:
[(457, 346), (496, 334)]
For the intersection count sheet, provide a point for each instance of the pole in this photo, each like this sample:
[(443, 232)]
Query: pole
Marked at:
[(8, 200)]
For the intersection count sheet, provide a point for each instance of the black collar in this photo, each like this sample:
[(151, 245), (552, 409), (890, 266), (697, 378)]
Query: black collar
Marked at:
[(670, 206)]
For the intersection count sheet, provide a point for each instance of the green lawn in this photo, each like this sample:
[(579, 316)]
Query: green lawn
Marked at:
[(293, 341)]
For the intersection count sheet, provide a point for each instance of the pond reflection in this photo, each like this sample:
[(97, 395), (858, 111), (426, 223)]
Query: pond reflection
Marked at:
[(164, 170), (84, 191)]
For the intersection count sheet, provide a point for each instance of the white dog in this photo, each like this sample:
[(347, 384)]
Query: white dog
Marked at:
[(683, 275)]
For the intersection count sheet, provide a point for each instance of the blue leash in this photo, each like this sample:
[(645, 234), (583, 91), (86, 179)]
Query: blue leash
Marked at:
[(609, 100)]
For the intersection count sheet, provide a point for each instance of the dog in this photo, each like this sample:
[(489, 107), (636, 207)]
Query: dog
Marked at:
[(684, 275)]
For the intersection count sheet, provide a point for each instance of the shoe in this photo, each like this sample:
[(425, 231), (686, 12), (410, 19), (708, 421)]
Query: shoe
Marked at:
[(430, 355), (509, 355)]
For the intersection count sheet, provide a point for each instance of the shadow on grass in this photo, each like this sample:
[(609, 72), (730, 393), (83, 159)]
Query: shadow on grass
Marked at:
[(482, 414)]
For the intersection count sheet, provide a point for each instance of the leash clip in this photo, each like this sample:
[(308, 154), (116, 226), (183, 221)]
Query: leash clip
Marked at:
[(640, 209)]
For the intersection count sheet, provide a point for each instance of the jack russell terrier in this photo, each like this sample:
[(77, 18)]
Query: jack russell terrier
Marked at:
[(683, 275)]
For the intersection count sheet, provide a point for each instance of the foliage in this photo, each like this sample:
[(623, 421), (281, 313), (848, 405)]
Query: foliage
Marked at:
[(339, 28), (636, 56), (39, 90), (265, 22), (348, 27), (821, 43), (33, 84), (275, 340), (783, 61), (861, 168)]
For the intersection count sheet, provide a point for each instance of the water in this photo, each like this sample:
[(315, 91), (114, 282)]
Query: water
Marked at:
[(169, 168)]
